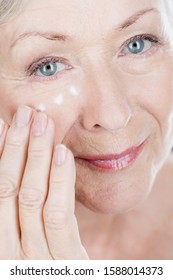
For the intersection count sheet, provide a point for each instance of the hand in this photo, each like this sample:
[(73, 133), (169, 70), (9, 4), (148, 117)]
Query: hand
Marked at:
[(37, 194)]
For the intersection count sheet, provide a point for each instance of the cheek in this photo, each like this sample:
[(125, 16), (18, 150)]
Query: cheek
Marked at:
[(61, 103), (154, 93), (62, 108), (9, 101)]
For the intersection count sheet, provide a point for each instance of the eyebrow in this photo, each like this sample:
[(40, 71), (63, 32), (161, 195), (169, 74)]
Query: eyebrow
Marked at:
[(134, 18), (52, 36), (47, 35)]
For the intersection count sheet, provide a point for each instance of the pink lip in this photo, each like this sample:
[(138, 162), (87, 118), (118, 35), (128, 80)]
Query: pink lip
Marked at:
[(115, 162)]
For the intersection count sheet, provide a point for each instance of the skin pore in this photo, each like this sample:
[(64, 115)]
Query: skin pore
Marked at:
[(103, 100)]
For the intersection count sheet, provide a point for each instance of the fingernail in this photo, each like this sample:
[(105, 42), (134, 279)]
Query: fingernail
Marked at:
[(60, 154), (2, 126), (23, 116), (39, 124)]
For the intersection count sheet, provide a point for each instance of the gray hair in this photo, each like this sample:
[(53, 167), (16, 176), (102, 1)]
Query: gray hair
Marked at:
[(166, 11), (9, 8)]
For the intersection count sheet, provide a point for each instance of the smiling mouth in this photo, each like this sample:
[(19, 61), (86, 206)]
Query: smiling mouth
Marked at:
[(113, 162)]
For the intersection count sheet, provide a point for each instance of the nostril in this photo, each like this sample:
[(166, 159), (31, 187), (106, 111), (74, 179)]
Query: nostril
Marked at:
[(97, 125)]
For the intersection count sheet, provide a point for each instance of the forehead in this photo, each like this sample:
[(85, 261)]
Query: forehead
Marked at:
[(73, 16)]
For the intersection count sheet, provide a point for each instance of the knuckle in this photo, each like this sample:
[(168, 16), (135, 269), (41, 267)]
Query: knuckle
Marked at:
[(7, 188), (57, 181), (38, 152), (56, 219), (14, 144), (15, 140), (31, 199)]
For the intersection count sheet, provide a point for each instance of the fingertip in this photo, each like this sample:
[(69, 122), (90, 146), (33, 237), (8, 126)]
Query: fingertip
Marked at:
[(60, 154), (3, 132), (2, 127)]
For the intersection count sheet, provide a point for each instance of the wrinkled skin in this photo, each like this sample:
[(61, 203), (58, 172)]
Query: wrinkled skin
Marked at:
[(108, 100)]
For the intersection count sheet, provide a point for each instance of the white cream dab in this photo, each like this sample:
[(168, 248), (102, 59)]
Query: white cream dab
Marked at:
[(41, 107), (59, 100), (73, 91)]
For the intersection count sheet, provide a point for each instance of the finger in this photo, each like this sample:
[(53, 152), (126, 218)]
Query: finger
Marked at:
[(34, 188), (3, 132), (11, 170), (60, 222)]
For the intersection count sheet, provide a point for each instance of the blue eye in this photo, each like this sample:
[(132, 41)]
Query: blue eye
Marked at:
[(139, 45), (48, 69)]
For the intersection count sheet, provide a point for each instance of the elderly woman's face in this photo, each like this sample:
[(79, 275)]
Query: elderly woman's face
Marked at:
[(102, 70)]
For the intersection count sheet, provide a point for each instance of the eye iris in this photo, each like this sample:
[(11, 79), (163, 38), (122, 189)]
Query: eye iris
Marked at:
[(136, 46), (49, 69)]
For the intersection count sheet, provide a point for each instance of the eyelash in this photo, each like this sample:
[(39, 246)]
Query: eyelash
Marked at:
[(34, 67), (148, 37)]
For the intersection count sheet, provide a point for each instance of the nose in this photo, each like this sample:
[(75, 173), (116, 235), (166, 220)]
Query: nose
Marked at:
[(106, 105)]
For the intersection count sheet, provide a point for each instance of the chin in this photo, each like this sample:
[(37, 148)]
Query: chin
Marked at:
[(113, 196), (120, 191)]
